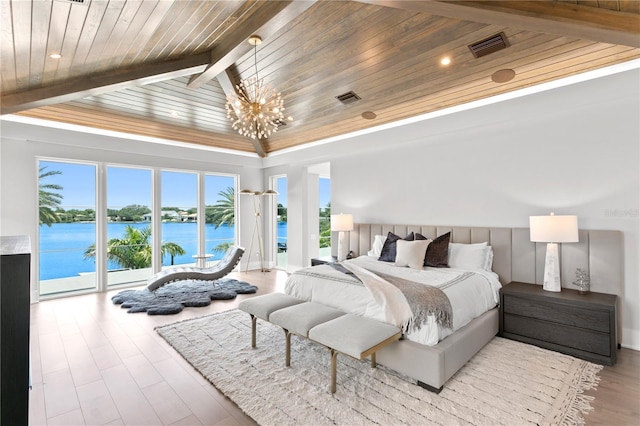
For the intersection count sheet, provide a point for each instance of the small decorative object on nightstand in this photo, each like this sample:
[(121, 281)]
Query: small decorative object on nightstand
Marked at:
[(582, 281), (323, 260)]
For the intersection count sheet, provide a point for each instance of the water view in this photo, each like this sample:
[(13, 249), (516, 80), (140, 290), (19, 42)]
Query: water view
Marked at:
[(62, 245)]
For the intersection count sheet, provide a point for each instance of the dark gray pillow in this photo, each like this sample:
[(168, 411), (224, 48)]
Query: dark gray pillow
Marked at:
[(438, 251), (388, 252)]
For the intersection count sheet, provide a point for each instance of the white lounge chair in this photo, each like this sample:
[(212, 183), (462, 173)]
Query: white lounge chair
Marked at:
[(222, 268)]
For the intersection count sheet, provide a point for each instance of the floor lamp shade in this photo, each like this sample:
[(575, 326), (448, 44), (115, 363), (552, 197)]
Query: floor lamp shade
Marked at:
[(342, 223), (552, 230)]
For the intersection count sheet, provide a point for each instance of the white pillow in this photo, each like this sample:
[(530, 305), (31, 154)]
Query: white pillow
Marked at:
[(378, 243), (470, 256), (411, 253)]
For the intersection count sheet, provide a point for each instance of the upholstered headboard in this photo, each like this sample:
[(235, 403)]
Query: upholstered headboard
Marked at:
[(518, 259)]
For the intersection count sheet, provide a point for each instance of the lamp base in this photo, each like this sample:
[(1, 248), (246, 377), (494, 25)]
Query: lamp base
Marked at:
[(552, 269), (343, 246)]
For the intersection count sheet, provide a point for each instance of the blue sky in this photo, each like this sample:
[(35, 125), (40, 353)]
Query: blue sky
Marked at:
[(128, 186)]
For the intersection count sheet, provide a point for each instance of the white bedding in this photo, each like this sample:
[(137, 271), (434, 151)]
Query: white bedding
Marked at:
[(477, 293)]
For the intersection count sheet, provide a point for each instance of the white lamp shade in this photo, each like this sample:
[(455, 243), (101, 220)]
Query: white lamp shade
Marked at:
[(553, 229), (342, 222)]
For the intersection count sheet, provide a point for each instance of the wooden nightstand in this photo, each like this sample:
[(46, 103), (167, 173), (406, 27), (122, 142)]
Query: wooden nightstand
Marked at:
[(323, 260), (581, 325)]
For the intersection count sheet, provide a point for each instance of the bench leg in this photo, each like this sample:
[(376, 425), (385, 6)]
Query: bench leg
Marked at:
[(334, 364), (373, 360), (253, 330), (287, 348)]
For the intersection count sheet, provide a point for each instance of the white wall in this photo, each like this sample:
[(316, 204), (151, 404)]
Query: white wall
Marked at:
[(572, 150)]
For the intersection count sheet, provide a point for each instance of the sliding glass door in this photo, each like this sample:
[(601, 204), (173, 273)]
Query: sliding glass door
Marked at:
[(129, 231), (67, 233), (282, 240), (97, 223), (179, 218), (220, 212)]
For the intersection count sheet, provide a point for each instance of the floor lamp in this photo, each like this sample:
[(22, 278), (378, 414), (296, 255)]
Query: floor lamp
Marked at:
[(553, 229), (257, 232)]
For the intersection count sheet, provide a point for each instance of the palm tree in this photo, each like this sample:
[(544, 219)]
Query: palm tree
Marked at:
[(223, 213), (133, 250), (48, 200), (172, 249), (224, 210)]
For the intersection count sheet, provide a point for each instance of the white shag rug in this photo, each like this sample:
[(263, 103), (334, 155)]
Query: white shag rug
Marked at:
[(506, 383)]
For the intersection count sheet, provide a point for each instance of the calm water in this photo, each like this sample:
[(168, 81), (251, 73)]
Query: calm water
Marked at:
[(62, 245)]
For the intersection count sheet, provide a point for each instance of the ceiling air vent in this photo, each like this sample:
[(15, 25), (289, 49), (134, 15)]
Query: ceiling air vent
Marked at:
[(489, 45), (348, 98), (82, 2)]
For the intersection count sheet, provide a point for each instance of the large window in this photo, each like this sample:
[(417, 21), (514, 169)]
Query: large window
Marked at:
[(220, 212), (129, 230), (324, 216), (79, 242), (280, 183), (67, 234), (179, 218)]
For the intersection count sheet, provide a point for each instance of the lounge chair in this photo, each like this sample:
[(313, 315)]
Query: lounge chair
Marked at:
[(222, 268)]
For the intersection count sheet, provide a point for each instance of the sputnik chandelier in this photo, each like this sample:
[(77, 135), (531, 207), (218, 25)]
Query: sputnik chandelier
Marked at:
[(255, 110)]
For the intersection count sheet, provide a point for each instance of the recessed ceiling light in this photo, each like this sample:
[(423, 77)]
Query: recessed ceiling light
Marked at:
[(503, 76), (174, 113), (445, 61), (55, 56), (369, 115)]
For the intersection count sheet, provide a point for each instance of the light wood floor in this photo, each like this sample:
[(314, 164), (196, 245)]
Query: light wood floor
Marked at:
[(95, 364)]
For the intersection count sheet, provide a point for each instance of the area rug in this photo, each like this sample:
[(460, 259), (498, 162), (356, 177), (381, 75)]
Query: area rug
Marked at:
[(173, 297), (507, 382)]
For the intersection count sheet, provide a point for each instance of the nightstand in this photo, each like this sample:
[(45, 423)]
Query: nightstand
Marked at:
[(581, 325), (323, 260)]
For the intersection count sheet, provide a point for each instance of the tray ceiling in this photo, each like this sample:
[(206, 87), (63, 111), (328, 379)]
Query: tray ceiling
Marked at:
[(162, 68)]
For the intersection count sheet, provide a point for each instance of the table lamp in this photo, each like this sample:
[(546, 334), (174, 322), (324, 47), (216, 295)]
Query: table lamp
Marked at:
[(553, 229), (342, 223)]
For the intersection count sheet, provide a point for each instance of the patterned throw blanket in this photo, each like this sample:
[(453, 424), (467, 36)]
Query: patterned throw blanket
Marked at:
[(424, 300)]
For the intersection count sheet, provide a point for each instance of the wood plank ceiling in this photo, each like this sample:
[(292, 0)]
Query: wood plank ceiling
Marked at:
[(158, 67)]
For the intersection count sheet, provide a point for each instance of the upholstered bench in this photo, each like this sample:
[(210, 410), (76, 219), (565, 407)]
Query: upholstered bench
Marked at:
[(299, 319), (353, 335), (349, 334), (262, 307)]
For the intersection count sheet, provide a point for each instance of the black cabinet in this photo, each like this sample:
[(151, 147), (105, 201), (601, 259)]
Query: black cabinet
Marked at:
[(582, 325), (14, 330)]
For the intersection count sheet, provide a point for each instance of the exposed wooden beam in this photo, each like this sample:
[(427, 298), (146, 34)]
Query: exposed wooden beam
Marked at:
[(101, 83), (228, 84), (272, 17), (565, 19)]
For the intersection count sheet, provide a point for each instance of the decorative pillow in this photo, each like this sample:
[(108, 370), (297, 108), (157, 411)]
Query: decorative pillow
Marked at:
[(438, 251), (489, 265), (411, 253), (388, 252), (378, 243), (468, 256)]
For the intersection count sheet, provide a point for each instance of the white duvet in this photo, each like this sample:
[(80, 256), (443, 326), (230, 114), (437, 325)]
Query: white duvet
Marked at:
[(473, 294)]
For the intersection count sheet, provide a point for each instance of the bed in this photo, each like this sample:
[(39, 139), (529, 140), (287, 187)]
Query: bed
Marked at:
[(431, 353)]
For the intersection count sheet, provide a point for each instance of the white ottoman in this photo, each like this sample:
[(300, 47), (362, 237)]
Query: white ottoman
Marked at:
[(262, 306), (355, 336), (301, 318)]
